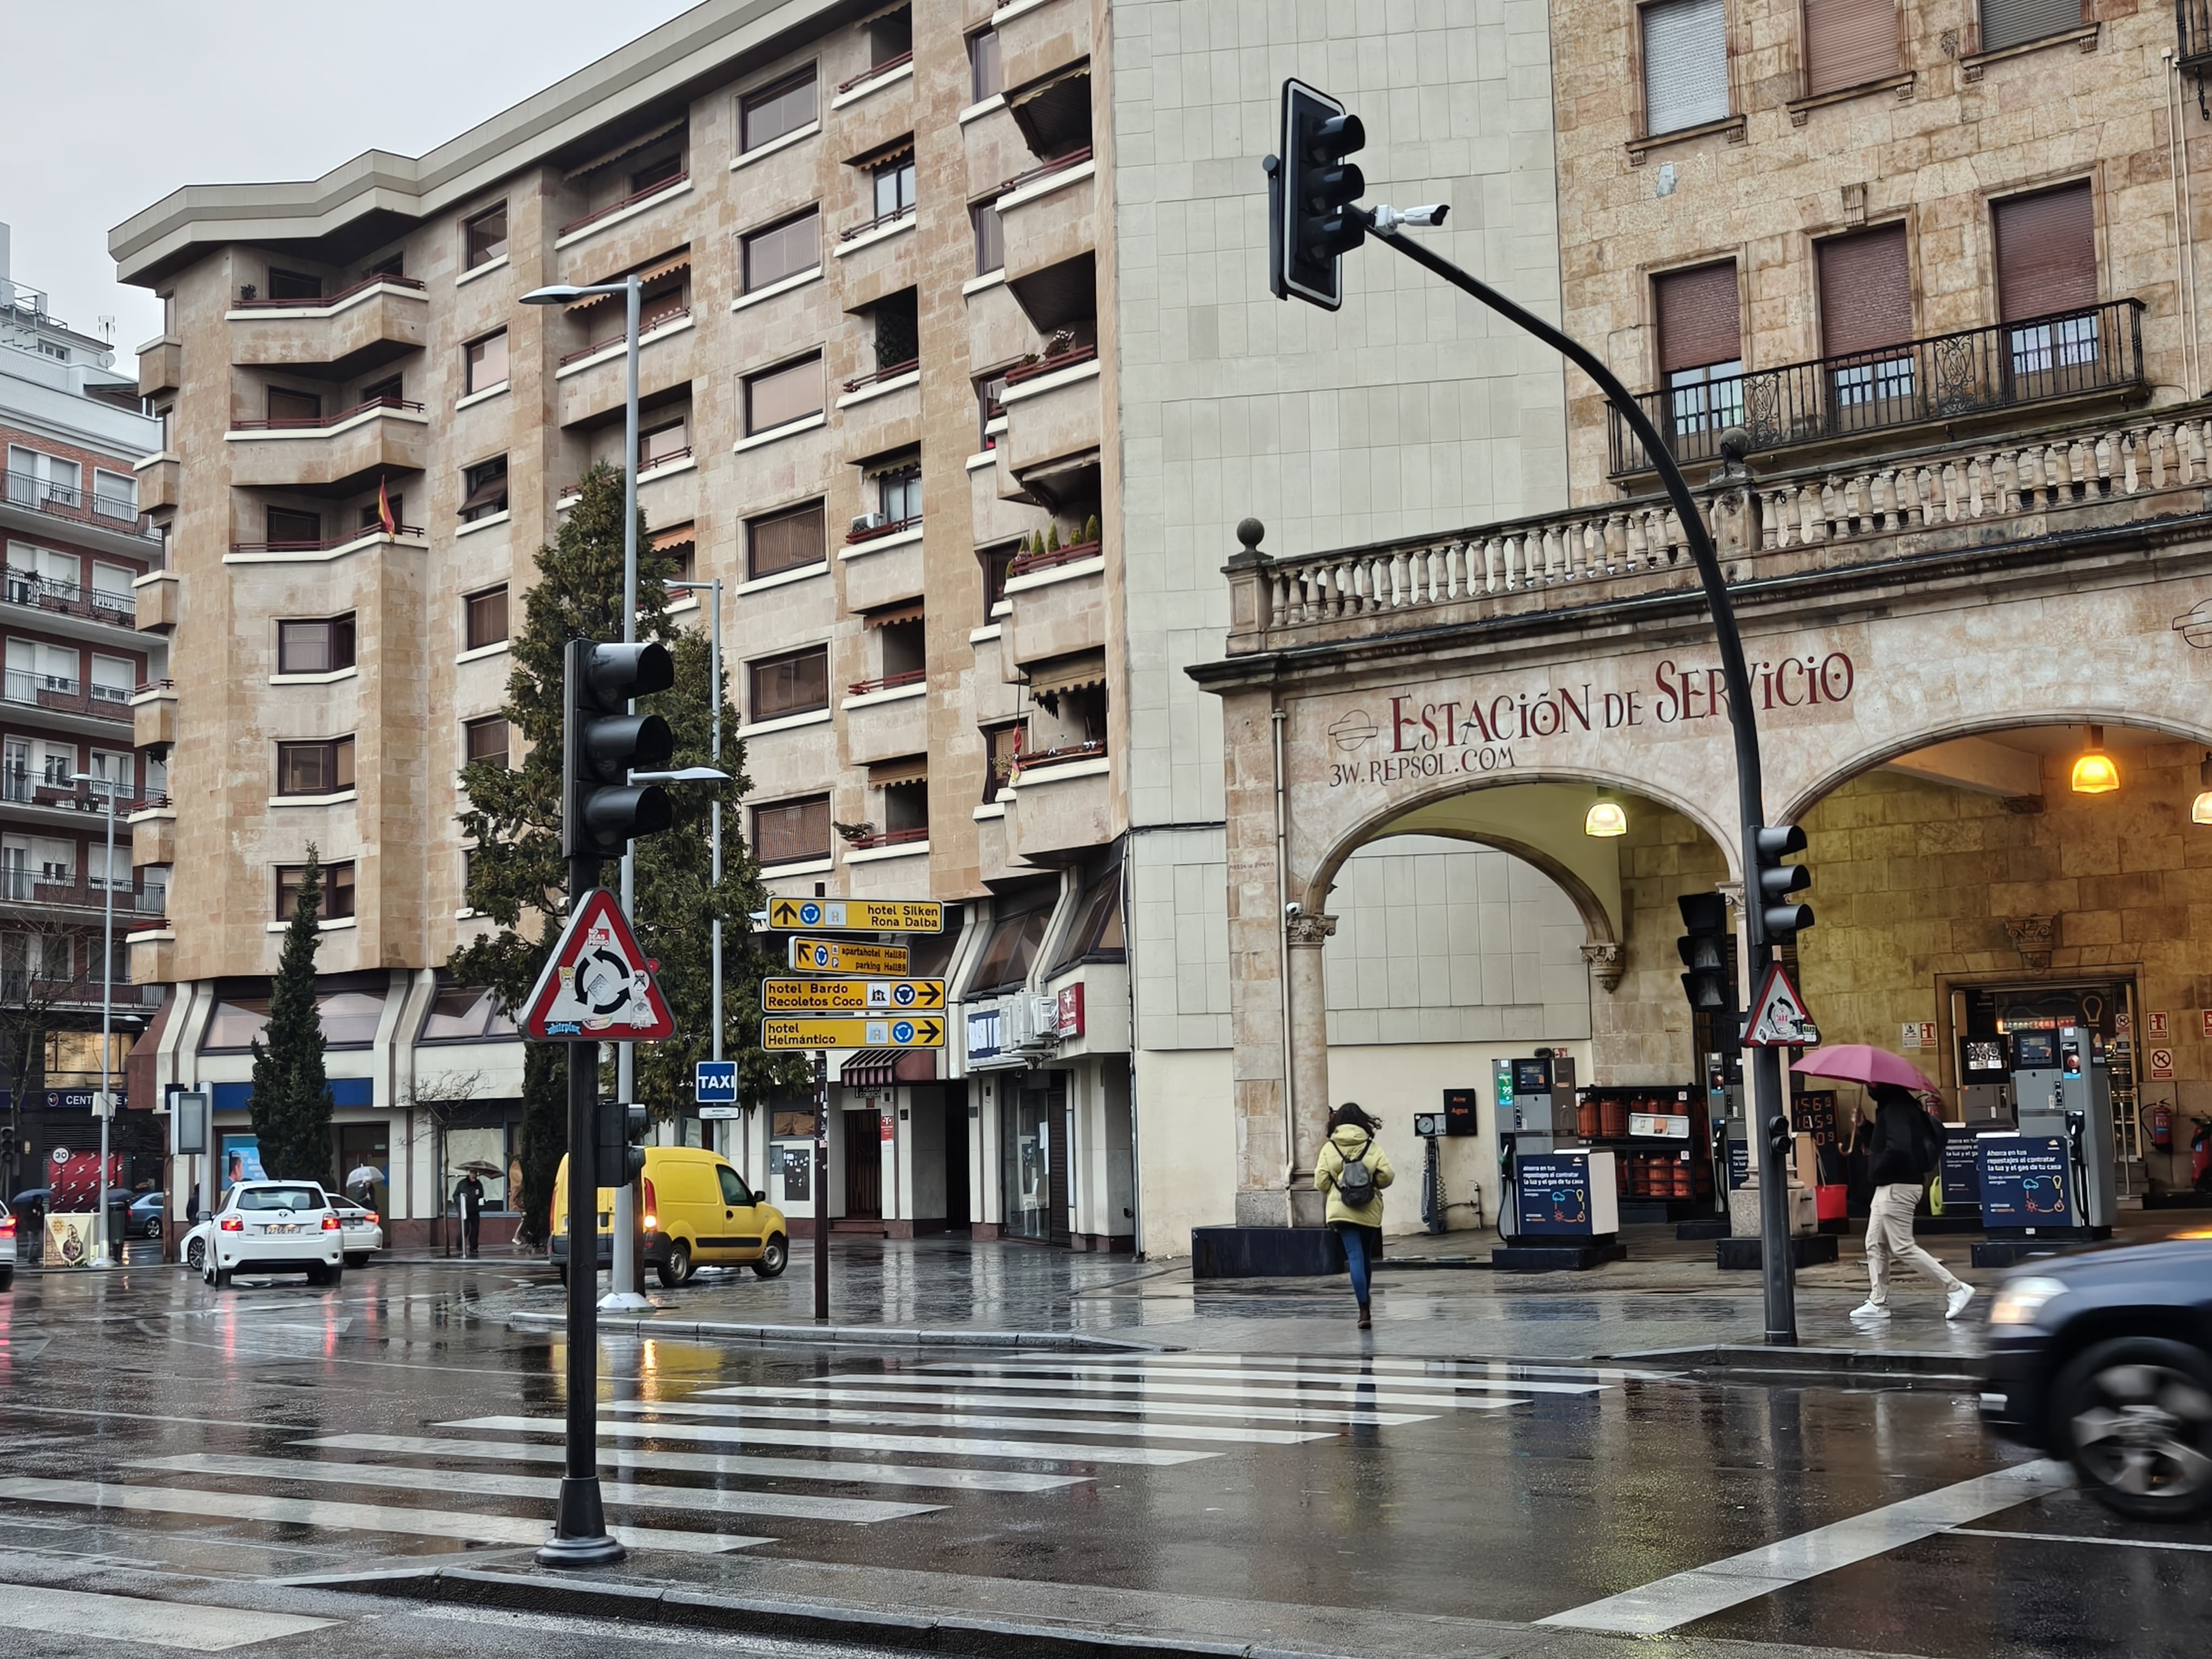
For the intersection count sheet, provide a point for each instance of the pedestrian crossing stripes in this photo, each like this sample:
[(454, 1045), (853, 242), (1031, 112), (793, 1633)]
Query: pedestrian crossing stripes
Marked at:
[(191, 1627), (685, 1472)]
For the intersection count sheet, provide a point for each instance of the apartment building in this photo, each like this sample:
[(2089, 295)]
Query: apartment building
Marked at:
[(78, 549), (958, 368)]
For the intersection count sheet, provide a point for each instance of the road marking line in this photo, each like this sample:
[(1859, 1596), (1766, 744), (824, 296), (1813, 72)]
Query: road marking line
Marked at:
[(1427, 1369), (973, 1420), (1167, 1379), (1328, 1392), (1043, 1450), (1668, 1603), (780, 1468), (2072, 1538), (1048, 1402), (353, 1517), (187, 1624), (478, 1483)]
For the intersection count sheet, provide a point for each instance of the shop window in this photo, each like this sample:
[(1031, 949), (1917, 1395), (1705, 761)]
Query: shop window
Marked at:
[(1866, 306), (483, 237), (466, 1014), (236, 1022), (786, 540), (1701, 347), (1097, 935), (486, 361), (1685, 64), (984, 80), (797, 683), (320, 647), (783, 250), (791, 831), (487, 741), (784, 107), (1849, 43), (321, 767), (2047, 265), (349, 1018), (777, 397), (990, 238), (483, 490), (338, 890), (1010, 950), (486, 617), (2015, 23)]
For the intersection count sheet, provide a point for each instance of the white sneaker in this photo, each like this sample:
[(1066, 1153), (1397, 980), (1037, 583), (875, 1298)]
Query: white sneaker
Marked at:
[(1955, 1303), (1870, 1310)]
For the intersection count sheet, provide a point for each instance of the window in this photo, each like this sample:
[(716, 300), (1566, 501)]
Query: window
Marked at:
[(294, 285), (483, 237), (1685, 64), (466, 1013), (2015, 23), (372, 514), (662, 169), (1700, 347), (487, 741), (734, 1193), (990, 238), (483, 491), (905, 810), (114, 679), (983, 79), (1849, 43), (484, 616), (783, 250), (1866, 305), (2047, 265), (315, 648), (796, 682), (787, 540), (391, 264), (1097, 935), (777, 397), (322, 767), (897, 321), (349, 1019), (791, 831), (337, 900), (1016, 933), (890, 37), (287, 527), (390, 390), (35, 667), (904, 643), (769, 114), (1001, 745), (236, 1022), (994, 561), (34, 476), (114, 494), (487, 362), (671, 441), (895, 187), (112, 587), (989, 389), (899, 495), (115, 768), (290, 408)]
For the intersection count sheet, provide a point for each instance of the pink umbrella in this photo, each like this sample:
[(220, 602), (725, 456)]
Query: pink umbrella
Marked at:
[(1859, 1062)]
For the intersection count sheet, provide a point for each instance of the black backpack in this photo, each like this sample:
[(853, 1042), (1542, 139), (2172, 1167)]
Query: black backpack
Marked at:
[(1355, 1181)]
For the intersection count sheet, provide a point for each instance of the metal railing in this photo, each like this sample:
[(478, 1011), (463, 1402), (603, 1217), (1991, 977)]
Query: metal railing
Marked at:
[(324, 301), (882, 374), (26, 588), (1051, 365), (886, 838), (874, 71), (58, 695), (1046, 169), (1023, 563), (315, 422), (851, 232), (888, 682), (646, 325), (1974, 372), (2192, 21), (330, 544), (26, 787), (888, 528), (68, 501), (72, 891), (644, 195), (1031, 760)]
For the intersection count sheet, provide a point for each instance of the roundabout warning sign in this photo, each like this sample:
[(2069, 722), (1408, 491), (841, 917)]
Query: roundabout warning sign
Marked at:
[(597, 984)]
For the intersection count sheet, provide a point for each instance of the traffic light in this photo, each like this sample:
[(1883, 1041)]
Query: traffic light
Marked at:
[(601, 811), (620, 1152), (1780, 917), (1709, 983), (1310, 191)]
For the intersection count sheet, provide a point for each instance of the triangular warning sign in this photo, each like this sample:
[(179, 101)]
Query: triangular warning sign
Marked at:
[(1779, 1019), (597, 987)]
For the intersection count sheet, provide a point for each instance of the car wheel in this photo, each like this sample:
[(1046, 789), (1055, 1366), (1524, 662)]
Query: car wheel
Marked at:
[(154, 1228), (676, 1270), (773, 1257), (222, 1278), (562, 1274), (6, 1279), (2134, 1416), (196, 1255), (359, 1259)]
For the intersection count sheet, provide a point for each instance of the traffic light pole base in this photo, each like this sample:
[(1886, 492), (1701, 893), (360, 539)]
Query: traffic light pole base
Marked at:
[(581, 1538), (1806, 1250), (624, 1302)]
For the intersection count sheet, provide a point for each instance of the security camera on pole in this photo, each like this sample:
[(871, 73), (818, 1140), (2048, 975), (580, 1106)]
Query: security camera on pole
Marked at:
[(1312, 195)]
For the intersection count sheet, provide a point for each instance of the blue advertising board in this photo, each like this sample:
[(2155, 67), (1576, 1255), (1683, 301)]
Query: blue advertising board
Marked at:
[(715, 1083), (2024, 1181), (1554, 1196), (1962, 1174)]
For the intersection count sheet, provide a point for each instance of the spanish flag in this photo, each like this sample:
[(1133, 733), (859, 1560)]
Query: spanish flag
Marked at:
[(384, 510)]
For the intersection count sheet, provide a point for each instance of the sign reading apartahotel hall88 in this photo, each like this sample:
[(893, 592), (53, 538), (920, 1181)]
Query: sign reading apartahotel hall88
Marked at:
[(1414, 735)]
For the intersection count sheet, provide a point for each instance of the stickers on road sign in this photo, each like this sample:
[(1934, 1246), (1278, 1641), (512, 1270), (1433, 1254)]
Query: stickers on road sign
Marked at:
[(1779, 1019), (831, 956), (858, 915), (801, 1031), (597, 985), (799, 996)]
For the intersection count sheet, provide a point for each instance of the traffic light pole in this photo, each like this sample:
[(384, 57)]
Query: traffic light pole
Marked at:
[(579, 1527), (1765, 1063), (822, 1183), (626, 1292)]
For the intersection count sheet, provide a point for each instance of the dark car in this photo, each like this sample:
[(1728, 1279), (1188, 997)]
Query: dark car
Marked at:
[(143, 1219), (2105, 1359)]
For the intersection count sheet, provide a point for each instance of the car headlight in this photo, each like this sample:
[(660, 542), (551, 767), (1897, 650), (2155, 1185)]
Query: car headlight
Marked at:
[(2018, 1301)]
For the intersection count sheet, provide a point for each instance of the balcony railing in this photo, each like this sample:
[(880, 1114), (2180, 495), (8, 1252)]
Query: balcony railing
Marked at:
[(887, 838), (1023, 563), (882, 374), (889, 682), (2193, 24), (330, 545), (874, 71), (26, 787), (67, 889), (646, 325), (69, 598), (1974, 372), (60, 695), (1031, 760), (644, 195), (1051, 365), (1046, 169), (316, 423), (67, 501), (888, 528), (853, 232), (324, 301)]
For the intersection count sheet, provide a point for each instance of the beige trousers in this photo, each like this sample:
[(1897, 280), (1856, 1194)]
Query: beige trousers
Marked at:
[(1889, 1240)]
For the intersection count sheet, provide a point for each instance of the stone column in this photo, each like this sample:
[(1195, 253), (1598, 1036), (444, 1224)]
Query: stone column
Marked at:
[(1308, 1059), (1255, 960)]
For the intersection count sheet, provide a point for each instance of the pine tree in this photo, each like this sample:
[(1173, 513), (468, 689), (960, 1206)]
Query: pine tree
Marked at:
[(291, 1099)]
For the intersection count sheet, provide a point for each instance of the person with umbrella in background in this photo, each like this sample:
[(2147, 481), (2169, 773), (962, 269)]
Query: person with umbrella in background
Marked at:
[(468, 1198), (1903, 1151), (361, 1184)]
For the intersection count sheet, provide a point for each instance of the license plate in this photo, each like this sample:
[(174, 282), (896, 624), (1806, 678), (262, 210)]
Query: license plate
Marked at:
[(280, 1227)]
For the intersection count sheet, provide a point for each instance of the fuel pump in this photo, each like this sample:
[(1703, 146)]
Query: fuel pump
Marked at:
[(2054, 1175), (1561, 1205)]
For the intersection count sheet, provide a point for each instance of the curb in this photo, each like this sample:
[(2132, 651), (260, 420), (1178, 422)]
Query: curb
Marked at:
[(990, 1638), (874, 1336), (1750, 1363)]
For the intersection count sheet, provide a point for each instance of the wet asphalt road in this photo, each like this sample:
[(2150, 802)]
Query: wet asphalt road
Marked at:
[(156, 1436)]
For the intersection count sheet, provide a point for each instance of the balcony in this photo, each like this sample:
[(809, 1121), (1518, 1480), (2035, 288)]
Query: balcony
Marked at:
[(1036, 37), (885, 720), (1060, 805), (1050, 214), (594, 378), (349, 332), (57, 599), (614, 212), (161, 365), (20, 787), (1950, 384), (153, 833), (386, 434), (1053, 413), (883, 568), (1058, 604), (51, 694), (154, 713), (41, 504), (67, 889)]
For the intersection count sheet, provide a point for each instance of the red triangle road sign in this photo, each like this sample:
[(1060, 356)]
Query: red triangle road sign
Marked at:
[(598, 985), (1778, 1016)]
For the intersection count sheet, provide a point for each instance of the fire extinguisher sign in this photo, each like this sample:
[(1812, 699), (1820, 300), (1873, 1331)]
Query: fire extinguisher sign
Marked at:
[(2162, 1065)]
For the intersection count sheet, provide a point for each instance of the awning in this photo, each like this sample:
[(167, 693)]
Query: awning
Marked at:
[(889, 156), (1072, 672), (1037, 90), (912, 768), (668, 266), (675, 536), (1053, 114), (627, 147), (912, 610), (899, 460), (879, 1068)]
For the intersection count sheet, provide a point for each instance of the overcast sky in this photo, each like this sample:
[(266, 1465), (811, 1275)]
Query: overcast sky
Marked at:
[(110, 105)]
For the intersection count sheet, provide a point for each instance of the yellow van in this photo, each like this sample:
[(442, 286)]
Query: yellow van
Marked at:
[(698, 1213)]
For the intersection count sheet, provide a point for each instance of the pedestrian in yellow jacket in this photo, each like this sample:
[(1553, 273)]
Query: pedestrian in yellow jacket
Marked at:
[(1353, 1169)]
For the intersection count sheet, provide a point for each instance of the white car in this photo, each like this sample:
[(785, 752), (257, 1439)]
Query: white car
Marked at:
[(7, 1248), (363, 1228), (270, 1227)]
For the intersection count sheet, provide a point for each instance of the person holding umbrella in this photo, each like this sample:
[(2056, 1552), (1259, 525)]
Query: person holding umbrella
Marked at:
[(468, 1198), (362, 1184), (1903, 1150)]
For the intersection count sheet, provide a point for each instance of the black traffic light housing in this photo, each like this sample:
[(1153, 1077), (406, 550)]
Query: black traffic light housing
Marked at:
[(1311, 188), (1781, 918), (602, 744), (1709, 984), (620, 1152)]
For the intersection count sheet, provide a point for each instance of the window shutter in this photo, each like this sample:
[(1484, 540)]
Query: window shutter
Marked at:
[(1866, 292), (2046, 252), (1848, 43), (2015, 23), (1685, 64), (1699, 321)]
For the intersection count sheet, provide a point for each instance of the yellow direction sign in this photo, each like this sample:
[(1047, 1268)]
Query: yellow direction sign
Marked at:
[(858, 915), (895, 996), (833, 956), (815, 1031)]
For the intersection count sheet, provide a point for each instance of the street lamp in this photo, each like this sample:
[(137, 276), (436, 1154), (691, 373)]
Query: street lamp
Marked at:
[(106, 1009), (714, 587)]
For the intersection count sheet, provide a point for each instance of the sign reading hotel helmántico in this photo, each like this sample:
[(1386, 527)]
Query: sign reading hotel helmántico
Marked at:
[(1420, 734)]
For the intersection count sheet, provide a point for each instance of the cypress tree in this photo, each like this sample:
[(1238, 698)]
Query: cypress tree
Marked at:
[(290, 1103)]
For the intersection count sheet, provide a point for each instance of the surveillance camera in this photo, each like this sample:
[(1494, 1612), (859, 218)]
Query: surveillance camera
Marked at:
[(1293, 910)]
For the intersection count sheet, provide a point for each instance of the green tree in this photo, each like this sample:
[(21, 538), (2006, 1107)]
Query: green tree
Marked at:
[(291, 1099)]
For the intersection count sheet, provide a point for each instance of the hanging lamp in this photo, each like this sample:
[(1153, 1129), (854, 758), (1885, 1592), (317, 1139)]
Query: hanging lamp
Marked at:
[(2095, 773)]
